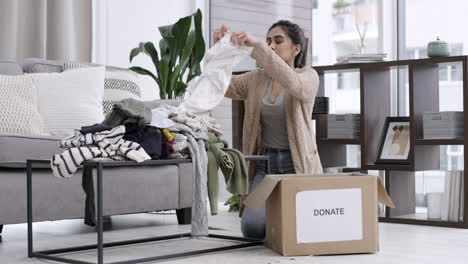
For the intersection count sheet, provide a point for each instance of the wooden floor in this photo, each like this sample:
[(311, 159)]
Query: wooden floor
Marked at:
[(398, 243)]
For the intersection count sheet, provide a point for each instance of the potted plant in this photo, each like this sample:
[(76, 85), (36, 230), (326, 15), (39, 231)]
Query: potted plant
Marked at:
[(234, 203), (181, 50), (341, 4), (341, 7)]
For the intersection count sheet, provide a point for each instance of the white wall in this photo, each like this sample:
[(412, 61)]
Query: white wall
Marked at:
[(121, 24)]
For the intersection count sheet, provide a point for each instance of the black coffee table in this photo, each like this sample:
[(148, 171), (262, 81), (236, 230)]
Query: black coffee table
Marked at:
[(100, 245)]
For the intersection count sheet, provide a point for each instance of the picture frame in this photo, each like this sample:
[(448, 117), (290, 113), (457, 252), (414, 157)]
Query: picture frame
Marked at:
[(394, 145)]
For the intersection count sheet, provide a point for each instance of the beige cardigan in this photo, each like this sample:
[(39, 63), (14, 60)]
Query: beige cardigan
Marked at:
[(300, 86)]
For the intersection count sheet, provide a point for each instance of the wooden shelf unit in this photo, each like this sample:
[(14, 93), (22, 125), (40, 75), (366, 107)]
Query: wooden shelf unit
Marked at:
[(375, 106), (345, 141), (440, 142)]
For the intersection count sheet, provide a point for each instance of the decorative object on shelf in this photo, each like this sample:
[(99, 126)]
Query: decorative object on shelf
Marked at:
[(443, 125), (180, 49), (394, 143), (345, 126), (453, 201), (434, 205), (362, 37), (437, 48), (321, 105), (361, 58)]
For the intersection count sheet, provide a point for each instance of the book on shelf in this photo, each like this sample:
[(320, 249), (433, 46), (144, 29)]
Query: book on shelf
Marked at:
[(462, 198), (361, 58)]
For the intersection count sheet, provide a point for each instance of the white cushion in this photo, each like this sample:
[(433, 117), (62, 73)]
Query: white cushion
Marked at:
[(71, 99), (119, 84), (18, 106)]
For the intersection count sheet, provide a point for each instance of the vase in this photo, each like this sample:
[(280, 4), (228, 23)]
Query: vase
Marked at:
[(437, 48)]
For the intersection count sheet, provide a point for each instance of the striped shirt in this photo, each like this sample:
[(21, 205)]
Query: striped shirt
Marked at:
[(107, 144)]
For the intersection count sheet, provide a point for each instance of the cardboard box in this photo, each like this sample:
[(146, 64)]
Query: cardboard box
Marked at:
[(321, 214)]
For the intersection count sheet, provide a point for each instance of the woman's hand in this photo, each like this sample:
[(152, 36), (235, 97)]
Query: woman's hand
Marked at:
[(219, 33), (244, 39)]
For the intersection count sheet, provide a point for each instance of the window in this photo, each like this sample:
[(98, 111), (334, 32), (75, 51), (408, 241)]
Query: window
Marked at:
[(456, 49), (456, 73), (335, 28), (443, 74), (418, 28), (454, 157), (410, 53), (339, 24), (340, 84), (422, 52)]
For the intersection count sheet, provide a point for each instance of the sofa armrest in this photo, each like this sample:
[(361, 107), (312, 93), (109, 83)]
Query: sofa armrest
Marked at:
[(10, 68), (185, 185)]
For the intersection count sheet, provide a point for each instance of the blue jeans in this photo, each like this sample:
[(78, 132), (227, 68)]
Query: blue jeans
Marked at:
[(253, 221)]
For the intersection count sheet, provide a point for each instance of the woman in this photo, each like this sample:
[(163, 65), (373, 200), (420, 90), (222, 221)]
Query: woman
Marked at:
[(278, 102)]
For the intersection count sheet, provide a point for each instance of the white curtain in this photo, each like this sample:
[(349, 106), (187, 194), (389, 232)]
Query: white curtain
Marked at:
[(49, 29)]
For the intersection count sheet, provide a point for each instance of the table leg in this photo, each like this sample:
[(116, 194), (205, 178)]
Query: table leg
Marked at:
[(29, 207), (99, 215)]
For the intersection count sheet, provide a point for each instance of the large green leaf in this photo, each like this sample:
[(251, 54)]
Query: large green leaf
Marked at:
[(143, 71), (187, 58), (186, 54), (164, 77), (199, 49), (171, 51), (183, 59), (153, 53), (166, 31), (180, 89), (194, 71), (140, 49), (184, 69), (141, 45), (180, 31), (134, 53), (164, 50), (177, 47)]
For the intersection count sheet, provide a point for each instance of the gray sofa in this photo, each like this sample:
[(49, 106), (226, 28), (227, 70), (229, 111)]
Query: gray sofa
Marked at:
[(126, 190)]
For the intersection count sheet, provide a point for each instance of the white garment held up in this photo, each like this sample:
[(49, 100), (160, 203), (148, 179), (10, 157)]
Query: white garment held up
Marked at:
[(206, 91)]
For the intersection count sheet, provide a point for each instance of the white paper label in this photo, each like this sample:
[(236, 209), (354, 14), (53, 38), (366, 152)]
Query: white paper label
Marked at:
[(328, 215)]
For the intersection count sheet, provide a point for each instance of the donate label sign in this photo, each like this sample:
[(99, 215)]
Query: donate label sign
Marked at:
[(329, 215)]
